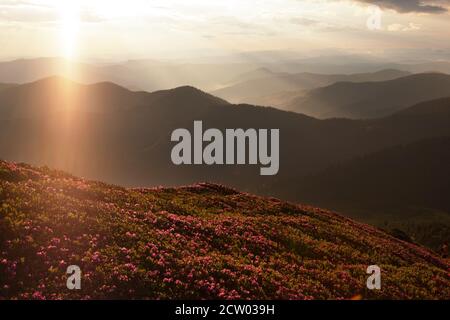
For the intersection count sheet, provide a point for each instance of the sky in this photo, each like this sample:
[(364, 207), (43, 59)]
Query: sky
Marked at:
[(174, 29)]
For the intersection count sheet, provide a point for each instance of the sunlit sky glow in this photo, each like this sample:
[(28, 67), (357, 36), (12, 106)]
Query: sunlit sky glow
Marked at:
[(118, 29)]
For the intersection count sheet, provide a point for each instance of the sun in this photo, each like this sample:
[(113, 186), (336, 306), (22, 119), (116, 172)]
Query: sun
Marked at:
[(110, 9), (69, 12)]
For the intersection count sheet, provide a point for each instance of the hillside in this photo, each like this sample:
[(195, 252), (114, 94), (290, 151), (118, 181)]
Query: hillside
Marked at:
[(411, 174), (371, 99), (202, 241), (398, 184)]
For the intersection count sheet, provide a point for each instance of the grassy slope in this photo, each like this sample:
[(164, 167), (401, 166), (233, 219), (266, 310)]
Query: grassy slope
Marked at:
[(203, 241)]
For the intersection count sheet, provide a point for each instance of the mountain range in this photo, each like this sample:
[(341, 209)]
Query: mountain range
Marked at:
[(106, 132), (129, 132), (111, 121), (264, 87), (152, 75), (371, 99), (148, 75)]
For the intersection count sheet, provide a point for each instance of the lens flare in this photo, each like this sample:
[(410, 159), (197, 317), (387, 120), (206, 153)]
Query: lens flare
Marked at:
[(70, 24)]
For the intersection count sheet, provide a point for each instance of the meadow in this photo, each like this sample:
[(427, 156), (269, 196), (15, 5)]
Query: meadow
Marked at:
[(203, 241)]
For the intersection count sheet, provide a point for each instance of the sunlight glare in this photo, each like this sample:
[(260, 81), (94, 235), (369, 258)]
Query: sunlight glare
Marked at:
[(110, 9), (70, 25)]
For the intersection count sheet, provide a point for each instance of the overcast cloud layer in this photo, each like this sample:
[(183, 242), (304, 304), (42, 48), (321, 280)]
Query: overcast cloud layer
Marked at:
[(407, 6)]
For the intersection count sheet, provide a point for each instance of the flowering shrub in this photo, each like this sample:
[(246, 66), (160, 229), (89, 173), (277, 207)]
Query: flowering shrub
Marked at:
[(198, 242)]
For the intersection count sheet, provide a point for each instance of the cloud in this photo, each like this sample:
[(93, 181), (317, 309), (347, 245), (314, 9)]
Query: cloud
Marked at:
[(33, 12), (411, 6), (27, 14), (318, 25), (302, 21), (400, 27)]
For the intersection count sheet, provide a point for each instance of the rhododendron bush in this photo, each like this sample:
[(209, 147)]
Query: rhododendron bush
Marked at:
[(197, 242)]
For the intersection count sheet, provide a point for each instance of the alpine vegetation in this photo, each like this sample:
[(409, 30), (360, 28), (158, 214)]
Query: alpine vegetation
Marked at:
[(236, 146)]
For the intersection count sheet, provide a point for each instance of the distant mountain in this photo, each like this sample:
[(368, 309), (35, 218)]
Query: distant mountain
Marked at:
[(261, 90), (58, 94), (350, 65), (6, 85), (371, 99), (405, 187), (426, 67), (106, 132), (427, 109), (203, 241), (28, 70), (376, 136), (152, 75), (258, 73), (404, 176), (148, 75), (100, 130), (279, 99)]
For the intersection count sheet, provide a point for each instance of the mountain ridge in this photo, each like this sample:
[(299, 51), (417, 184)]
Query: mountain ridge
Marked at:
[(106, 96), (363, 100), (259, 90)]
